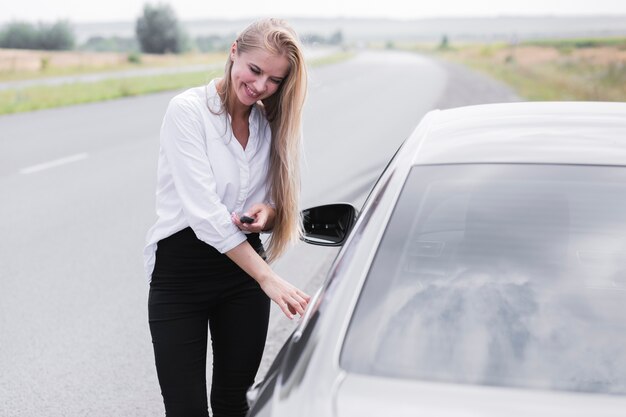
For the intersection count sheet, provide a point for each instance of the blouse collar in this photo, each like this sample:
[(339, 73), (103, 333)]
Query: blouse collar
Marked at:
[(214, 104)]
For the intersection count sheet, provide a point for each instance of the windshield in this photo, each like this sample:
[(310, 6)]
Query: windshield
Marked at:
[(506, 275)]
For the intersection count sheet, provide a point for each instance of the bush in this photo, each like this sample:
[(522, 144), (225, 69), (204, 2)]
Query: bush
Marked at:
[(134, 58), (22, 35), (336, 38), (110, 44), (158, 30), (212, 43)]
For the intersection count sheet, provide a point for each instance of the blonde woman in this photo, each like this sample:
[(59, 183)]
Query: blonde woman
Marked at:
[(228, 170)]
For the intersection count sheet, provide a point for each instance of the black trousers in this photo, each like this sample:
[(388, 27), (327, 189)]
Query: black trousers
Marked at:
[(194, 285)]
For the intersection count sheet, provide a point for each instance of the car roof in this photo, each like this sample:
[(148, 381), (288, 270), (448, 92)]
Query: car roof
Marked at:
[(529, 132)]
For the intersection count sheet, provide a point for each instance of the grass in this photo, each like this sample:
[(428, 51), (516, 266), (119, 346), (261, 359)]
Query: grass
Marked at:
[(44, 97), (588, 69), (551, 70), (332, 59), (570, 44)]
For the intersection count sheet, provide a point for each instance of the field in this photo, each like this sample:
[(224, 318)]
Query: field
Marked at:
[(569, 69), (572, 69), (20, 64), (24, 65)]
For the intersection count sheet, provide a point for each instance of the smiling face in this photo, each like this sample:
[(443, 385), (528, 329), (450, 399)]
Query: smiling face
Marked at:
[(256, 74)]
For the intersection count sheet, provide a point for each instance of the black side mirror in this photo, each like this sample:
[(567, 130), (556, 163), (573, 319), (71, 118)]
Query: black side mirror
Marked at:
[(328, 225)]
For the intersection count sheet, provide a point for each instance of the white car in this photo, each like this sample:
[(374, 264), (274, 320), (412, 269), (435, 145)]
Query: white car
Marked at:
[(484, 276)]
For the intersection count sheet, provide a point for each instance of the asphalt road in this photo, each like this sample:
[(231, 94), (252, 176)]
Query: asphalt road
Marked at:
[(77, 187)]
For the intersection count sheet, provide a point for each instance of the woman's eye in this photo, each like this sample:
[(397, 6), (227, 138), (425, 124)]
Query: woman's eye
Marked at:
[(255, 70), (275, 81)]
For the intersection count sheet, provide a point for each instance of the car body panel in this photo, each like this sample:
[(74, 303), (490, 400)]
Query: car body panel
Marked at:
[(306, 378), (365, 396), (313, 354), (565, 133)]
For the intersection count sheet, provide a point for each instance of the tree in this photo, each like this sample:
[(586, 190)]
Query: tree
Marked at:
[(58, 36), (444, 43), (336, 38), (23, 35), (18, 35), (158, 30)]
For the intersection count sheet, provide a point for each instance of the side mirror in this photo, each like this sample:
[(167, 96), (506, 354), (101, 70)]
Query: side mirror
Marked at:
[(328, 225)]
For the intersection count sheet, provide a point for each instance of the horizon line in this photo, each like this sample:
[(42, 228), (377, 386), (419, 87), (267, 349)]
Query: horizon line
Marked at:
[(340, 17)]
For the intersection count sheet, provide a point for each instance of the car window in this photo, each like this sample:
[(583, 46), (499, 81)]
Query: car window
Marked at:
[(506, 275)]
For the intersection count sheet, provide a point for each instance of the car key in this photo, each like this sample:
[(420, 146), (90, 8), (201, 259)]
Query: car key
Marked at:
[(246, 219)]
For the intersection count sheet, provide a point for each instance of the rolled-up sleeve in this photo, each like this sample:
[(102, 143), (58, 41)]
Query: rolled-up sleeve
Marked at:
[(183, 145)]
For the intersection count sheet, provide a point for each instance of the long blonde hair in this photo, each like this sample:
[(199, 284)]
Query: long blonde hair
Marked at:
[(283, 110)]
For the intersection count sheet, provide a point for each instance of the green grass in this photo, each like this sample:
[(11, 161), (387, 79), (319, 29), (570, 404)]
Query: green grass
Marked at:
[(332, 59), (541, 83), (576, 43), (45, 97), (567, 76)]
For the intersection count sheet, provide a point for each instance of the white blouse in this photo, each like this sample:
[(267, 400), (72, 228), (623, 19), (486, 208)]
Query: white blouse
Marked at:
[(204, 174)]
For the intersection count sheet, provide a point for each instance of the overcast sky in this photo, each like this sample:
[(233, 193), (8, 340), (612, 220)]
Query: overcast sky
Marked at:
[(79, 11)]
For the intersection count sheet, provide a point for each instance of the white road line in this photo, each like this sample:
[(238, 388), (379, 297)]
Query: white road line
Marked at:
[(54, 164)]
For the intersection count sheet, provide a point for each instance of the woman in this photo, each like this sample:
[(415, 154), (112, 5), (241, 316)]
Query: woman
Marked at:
[(229, 149)]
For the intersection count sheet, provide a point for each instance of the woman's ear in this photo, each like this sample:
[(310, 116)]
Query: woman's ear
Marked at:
[(233, 51)]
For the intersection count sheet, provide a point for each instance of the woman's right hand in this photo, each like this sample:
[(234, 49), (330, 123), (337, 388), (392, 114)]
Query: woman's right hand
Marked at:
[(290, 299)]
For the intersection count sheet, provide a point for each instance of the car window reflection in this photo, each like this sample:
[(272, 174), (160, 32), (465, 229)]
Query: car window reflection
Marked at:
[(507, 275)]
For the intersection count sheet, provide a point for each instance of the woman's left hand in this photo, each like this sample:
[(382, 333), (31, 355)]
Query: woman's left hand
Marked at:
[(263, 216)]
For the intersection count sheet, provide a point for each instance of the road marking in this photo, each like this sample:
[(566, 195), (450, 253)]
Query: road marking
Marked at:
[(54, 164)]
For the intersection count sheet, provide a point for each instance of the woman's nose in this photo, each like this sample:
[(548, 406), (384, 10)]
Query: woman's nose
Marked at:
[(260, 85)]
